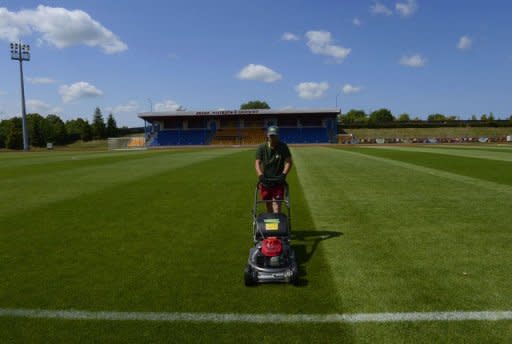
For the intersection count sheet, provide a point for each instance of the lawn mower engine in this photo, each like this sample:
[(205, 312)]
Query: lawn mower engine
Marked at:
[(271, 260), (272, 254)]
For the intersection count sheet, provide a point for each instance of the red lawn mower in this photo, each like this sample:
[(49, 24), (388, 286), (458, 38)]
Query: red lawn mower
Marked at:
[(272, 259)]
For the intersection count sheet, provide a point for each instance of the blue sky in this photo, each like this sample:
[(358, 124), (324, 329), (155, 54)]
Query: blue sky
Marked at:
[(418, 57)]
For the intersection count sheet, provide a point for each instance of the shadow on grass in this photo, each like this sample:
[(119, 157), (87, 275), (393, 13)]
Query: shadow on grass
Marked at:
[(305, 244)]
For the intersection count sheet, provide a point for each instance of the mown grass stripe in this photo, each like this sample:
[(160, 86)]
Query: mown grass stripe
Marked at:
[(256, 318), (502, 155), (21, 192), (489, 185), (411, 240)]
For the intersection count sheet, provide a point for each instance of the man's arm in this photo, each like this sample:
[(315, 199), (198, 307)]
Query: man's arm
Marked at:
[(257, 165), (287, 165), (287, 161)]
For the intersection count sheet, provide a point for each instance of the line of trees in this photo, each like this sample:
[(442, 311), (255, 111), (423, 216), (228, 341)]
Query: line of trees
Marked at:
[(52, 129), (384, 117)]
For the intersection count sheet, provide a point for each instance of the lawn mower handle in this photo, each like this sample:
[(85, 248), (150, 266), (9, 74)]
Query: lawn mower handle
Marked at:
[(276, 180)]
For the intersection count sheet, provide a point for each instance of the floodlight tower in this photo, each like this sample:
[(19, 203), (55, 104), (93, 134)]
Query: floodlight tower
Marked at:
[(337, 94), (21, 52)]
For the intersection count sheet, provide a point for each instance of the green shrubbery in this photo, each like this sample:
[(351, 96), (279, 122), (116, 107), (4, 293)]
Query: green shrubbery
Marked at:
[(52, 129), (383, 118)]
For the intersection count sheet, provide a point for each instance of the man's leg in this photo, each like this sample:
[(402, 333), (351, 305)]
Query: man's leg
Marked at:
[(276, 207), (277, 195), (266, 195)]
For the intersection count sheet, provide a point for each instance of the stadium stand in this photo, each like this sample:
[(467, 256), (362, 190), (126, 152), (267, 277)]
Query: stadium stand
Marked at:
[(239, 127), (136, 142), (237, 136), (304, 135), (182, 137)]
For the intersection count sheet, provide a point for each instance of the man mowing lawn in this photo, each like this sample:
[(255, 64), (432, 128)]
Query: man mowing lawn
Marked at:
[(273, 163)]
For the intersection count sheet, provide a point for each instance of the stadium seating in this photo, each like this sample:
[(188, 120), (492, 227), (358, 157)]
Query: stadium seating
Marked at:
[(182, 137), (136, 142), (257, 135), (304, 135), (233, 136), (238, 136)]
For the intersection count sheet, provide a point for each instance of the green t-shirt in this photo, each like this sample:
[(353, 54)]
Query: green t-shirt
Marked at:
[(272, 159)]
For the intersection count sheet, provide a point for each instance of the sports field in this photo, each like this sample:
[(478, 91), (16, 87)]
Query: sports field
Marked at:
[(395, 245)]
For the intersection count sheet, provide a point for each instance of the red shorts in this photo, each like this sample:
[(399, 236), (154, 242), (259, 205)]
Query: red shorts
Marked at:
[(271, 193)]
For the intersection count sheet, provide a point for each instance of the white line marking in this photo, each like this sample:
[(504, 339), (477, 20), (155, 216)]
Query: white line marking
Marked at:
[(256, 318)]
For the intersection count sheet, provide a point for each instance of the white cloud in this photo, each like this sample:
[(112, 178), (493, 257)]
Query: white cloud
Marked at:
[(348, 89), (59, 27), (465, 43), (406, 9), (12, 26), (415, 61), (320, 42), (311, 90), (131, 107), (3, 93), (168, 105), (37, 81), (288, 36), (357, 22), (35, 105), (378, 8), (78, 90), (259, 73)]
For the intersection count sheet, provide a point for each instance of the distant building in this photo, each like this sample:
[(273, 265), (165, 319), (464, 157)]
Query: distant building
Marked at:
[(239, 126)]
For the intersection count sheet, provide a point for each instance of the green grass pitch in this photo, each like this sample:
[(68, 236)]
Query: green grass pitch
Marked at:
[(380, 229)]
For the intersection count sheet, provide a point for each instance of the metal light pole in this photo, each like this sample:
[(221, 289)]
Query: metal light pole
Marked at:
[(337, 94), (21, 52), (145, 122)]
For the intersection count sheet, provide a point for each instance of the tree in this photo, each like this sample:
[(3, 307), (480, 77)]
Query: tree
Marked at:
[(491, 117), (55, 130), (473, 118), (98, 125), (436, 117), (86, 133), (404, 117), (381, 115), (14, 134), (254, 104), (35, 125), (354, 116), (483, 117), (73, 129), (79, 129), (3, 133), (112, 130)]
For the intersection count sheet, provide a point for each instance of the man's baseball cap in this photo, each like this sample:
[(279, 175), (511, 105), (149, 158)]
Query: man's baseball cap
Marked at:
[(272, 130)]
